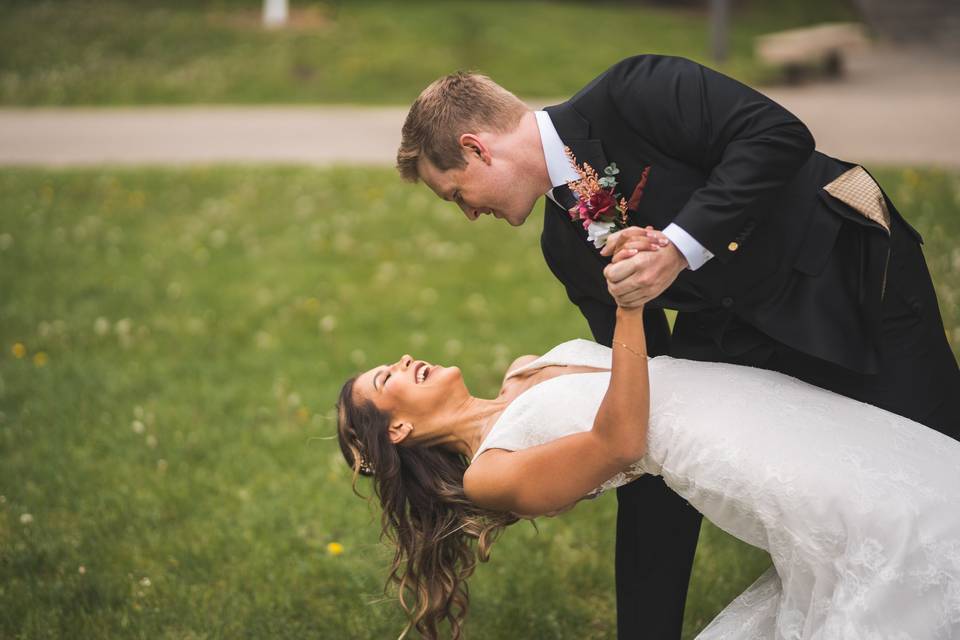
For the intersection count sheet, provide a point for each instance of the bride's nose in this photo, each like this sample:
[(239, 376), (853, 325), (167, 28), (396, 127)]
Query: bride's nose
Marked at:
[(406, 361)]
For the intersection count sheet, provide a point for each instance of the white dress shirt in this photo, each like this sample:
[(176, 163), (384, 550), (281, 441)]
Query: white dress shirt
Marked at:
[(561, 172)]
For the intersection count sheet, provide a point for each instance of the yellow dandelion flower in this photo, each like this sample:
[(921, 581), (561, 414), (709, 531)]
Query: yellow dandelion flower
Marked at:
[(303, 414), (912, 177), (18, 350), (40, 359), (334, 548)]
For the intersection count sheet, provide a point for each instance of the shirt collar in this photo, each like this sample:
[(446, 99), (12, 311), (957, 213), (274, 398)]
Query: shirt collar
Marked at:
[(559, 168)]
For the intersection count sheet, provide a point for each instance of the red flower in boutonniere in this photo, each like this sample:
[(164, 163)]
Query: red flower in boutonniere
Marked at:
[(596, 206), (599, 207)]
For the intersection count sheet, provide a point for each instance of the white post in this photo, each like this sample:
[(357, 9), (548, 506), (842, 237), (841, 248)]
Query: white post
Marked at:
[(274, 13)]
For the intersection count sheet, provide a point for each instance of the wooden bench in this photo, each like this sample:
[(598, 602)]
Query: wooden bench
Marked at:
[(817, 49)]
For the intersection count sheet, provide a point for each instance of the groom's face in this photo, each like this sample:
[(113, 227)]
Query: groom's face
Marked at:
[(485, 186)]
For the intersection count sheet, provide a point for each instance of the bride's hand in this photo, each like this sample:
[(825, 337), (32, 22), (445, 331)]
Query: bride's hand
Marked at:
[(631, 241)]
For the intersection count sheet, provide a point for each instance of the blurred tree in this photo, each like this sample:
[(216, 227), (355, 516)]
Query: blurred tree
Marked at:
[(933, 23)]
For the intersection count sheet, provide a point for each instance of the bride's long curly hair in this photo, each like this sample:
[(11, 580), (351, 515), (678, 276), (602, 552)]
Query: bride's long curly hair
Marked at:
[(438, 532)]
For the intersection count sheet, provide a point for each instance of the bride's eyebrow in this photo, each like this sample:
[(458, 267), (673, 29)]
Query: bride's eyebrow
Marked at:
[(375, 376)]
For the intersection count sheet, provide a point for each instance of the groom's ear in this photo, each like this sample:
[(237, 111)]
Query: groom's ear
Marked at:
[(473, 145), (398, 431)]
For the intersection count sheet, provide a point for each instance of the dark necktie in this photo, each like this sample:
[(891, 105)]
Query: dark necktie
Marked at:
[(565, 197)]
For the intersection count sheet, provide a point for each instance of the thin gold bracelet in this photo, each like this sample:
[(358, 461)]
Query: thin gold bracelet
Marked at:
[(627, 347)]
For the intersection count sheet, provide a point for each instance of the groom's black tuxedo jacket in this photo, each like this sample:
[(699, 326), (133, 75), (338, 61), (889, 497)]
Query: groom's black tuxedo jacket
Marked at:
[(740, 174)]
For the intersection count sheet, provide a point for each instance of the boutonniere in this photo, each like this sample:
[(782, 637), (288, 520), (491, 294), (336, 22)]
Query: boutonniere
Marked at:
[(600, 208)]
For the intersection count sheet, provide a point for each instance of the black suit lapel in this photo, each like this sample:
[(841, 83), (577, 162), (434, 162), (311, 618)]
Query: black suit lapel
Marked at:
[(574, 131)]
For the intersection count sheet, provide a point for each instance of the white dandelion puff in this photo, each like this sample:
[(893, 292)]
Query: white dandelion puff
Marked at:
[(328, 324), (264, 340), (123, 327), (218, 238), (101, 326)]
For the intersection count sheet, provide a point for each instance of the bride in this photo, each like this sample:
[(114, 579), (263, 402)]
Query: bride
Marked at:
[(859, 508)]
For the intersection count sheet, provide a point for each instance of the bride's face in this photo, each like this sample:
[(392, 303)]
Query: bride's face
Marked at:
[(413, 392)]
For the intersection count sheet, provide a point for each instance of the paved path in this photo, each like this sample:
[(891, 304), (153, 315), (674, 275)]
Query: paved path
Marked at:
[(892, 108)]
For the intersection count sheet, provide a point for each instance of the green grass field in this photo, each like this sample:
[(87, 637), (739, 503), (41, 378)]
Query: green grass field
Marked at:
[(171, 345), (114, 52)]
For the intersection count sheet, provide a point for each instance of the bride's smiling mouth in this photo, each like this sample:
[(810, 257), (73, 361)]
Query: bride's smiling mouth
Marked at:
[(420, 372)]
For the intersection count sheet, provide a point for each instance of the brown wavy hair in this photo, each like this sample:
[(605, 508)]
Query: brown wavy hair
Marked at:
[(438, 532)]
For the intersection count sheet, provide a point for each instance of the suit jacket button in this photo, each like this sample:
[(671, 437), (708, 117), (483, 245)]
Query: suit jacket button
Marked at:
[(727, 302), (733, 246)]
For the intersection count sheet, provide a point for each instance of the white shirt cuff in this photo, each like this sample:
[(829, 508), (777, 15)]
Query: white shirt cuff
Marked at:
[(695, 253)]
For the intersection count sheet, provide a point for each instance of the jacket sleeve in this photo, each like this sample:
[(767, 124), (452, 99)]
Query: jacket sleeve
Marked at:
[(746, 144)]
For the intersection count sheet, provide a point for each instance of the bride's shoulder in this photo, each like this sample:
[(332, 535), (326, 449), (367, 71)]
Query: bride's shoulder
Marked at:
[(522, 361), (508, 381)]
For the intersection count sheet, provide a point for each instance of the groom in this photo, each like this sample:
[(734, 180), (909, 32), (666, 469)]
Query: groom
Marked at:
[(775, 255)]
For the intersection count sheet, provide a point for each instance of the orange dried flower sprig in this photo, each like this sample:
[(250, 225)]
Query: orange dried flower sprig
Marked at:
[(597, 204)]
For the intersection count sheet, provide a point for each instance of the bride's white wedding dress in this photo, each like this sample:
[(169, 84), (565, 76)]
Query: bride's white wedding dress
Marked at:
[(859, 508)]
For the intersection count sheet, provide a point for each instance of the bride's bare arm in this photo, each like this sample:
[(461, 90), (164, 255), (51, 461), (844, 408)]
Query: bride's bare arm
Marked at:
[(551, 476)]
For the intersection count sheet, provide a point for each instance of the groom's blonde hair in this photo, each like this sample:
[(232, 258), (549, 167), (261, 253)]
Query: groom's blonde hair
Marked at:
[(455, 104)]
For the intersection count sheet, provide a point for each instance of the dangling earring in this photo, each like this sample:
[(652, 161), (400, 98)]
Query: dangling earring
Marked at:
[(365, 467)]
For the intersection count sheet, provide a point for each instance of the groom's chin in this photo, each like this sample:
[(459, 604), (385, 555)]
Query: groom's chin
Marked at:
[(517, 222)]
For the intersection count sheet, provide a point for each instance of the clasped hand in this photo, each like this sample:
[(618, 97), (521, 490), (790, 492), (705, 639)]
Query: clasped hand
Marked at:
[(644, 264)]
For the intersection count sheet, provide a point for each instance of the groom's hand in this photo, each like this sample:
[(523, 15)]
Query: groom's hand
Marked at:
[(645, 263)]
